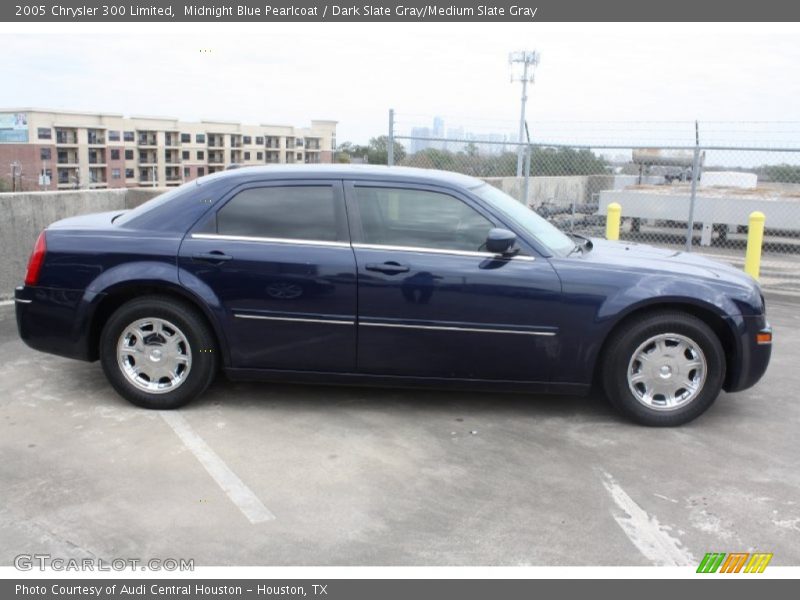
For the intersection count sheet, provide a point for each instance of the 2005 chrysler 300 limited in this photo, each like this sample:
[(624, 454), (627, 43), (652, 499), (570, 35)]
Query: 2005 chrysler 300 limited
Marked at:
[(388, 276)]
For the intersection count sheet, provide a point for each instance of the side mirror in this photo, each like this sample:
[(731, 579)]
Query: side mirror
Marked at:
[(500, 241)]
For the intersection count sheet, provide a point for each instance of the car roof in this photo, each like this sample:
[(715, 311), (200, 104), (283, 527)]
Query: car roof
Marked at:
[(342, 171)]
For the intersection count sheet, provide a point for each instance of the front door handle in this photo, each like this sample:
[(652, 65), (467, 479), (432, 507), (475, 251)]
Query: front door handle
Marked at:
[(389, 267), (213, 257)]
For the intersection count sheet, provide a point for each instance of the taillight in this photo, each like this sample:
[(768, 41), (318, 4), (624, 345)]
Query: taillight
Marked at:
[(36, 260)]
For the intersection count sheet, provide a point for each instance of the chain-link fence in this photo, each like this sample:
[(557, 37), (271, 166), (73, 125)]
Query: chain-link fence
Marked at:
[(690, 197)]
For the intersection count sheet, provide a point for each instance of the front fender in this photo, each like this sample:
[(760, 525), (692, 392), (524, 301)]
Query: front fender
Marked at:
[(600, 302), (665, 290)]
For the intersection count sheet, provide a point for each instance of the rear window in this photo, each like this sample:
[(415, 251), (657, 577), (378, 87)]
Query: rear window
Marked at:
[(129, 216)]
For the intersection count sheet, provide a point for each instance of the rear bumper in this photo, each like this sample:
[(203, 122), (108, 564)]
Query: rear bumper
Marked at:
[(753, 357), (55, 321)]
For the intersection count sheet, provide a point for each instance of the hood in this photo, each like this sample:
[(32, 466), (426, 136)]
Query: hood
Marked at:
[(677, 262)]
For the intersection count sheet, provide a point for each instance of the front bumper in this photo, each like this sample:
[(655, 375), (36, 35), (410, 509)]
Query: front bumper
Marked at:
[(753, 356)]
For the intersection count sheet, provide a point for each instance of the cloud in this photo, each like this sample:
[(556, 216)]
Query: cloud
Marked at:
[(292, 73)]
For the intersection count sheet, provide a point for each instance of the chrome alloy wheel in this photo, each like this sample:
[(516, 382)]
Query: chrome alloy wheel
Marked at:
[(154, 355), (667, 371)]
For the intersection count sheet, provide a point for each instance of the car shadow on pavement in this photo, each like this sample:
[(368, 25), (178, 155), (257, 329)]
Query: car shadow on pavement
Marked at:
[(225, 393)]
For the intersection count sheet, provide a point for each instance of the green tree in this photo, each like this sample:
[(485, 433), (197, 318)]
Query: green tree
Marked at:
[(566, 161), (783, 173), (432, 158), (378, 151), (347, 151), (544, 162)]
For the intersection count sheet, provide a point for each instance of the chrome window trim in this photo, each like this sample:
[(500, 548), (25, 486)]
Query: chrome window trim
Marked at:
[(324, 243), (452, 328), (23, 301), (294, 319), (439, 251), (245, 238)]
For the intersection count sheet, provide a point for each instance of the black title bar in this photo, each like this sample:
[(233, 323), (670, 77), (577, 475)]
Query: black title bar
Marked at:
[(398, 10)]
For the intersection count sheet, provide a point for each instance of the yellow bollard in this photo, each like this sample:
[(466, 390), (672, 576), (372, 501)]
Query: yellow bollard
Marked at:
[(755, 238), (613, 220)]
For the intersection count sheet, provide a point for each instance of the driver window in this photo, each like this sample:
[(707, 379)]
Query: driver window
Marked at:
[(419, 218)]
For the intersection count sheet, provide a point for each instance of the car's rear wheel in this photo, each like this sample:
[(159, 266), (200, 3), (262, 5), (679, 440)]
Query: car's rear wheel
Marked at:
[(663, 368), (158, 352)]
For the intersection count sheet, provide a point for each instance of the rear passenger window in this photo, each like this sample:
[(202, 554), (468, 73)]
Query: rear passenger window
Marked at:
[(292, 212), (418, 218)]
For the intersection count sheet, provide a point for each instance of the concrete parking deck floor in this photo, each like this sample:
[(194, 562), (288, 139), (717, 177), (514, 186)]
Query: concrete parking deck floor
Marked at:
[(383, 477)]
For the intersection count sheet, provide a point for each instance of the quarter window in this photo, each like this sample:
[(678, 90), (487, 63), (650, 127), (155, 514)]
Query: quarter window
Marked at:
[(419, 218), (295, 212)]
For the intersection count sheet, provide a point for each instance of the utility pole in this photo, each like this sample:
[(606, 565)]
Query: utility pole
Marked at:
[(16, 172), (390, 149), (528, 59)]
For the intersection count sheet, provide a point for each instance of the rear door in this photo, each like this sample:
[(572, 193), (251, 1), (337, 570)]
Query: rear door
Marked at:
[(277, 255), (433, 303)]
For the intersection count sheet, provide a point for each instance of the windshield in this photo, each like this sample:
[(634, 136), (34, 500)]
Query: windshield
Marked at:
[(549, 235)]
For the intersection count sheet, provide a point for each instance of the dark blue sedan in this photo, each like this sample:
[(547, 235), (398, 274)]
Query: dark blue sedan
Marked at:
[(387, 276)]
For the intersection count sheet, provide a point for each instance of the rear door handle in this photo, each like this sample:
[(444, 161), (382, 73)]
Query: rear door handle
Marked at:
[(214, 257), (389, 268)]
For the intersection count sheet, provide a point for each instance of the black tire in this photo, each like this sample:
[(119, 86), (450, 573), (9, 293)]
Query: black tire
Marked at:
[(625, 341), (202, 350)]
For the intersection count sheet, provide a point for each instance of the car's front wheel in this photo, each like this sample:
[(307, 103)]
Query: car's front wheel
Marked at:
[(158, 352), (663, 369)]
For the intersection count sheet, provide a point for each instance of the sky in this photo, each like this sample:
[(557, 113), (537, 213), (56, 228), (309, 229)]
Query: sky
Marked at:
[(591, 78)]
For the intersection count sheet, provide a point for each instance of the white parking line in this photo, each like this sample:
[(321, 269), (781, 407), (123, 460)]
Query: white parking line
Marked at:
[(241, 495), (645, 532), (6, 302)]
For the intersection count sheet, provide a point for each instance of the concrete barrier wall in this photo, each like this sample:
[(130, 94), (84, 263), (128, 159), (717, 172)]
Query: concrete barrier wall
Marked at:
[(558, 191), (23, 215)]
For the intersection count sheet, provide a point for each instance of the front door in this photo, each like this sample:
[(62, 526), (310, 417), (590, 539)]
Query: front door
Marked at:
[(433, 303), (277, 257)]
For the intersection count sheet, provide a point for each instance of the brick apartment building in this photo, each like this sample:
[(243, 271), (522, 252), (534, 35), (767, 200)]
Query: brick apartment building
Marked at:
[(52, 150)]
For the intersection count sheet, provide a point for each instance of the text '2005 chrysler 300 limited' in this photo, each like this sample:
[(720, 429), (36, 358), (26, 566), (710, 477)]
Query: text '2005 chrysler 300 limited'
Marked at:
[(388, 276)]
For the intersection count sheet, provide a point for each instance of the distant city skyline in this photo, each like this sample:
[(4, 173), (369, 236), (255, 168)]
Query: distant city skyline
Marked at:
[(451, 138)]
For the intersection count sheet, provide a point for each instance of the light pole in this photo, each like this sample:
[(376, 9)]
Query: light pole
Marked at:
[(528, 59)]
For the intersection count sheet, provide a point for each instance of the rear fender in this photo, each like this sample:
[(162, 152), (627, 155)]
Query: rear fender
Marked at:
[(151, 277)]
